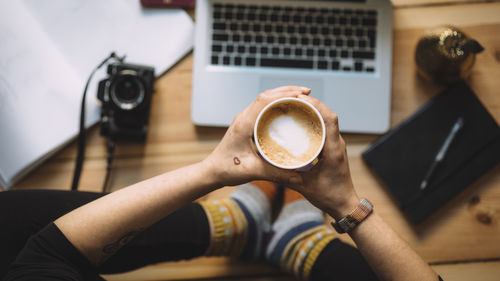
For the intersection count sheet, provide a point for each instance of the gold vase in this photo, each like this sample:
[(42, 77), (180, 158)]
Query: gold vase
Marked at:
[(445, 54)]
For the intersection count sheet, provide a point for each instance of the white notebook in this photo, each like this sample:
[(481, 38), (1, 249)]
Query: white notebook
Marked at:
[(48, 50)]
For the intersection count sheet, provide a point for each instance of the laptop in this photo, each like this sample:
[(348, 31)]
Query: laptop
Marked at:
[(342, 50)]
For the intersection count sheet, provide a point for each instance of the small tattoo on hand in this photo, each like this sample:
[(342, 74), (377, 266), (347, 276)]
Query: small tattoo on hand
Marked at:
[(236, 161)]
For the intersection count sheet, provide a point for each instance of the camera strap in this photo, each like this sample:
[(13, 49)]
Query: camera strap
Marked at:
[(81, 135)]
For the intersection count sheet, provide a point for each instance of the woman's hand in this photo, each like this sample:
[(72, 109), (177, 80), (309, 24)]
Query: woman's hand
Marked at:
[(235, 161), (328, 185)]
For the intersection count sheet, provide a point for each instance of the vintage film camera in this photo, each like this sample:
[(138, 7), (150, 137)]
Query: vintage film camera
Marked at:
[(126, 101)]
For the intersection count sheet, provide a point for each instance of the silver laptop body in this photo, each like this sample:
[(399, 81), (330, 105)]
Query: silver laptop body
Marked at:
[(342, 50)]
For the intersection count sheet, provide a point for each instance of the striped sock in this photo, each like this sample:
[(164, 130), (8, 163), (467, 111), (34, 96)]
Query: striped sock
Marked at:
[(298, 236), (238, 223)]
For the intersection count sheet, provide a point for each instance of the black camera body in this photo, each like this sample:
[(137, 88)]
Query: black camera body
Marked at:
[(126, 101)]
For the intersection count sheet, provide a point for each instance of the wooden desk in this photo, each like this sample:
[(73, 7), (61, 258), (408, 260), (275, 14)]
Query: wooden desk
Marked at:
[(462, 240)]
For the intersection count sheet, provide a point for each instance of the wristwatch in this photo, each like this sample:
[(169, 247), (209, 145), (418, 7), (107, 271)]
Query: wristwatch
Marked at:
[(355, 217)]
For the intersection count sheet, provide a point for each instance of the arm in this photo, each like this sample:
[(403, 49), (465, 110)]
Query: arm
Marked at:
[(376, 239), (329, 187), (101, 227)]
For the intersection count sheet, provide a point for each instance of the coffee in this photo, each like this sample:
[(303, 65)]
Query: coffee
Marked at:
[(290, 133)]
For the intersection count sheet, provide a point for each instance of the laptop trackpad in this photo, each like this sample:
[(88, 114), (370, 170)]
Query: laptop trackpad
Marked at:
[(270, 82)]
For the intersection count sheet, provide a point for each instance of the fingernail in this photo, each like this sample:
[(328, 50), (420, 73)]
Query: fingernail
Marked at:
[(305, 89)]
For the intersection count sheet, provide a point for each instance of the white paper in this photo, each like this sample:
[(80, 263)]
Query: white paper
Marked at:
[(39, 92), (87, 31), (48, 49)]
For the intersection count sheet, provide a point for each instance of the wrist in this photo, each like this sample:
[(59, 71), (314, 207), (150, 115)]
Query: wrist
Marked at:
[(338, 210), (209, 175), (354, 218)]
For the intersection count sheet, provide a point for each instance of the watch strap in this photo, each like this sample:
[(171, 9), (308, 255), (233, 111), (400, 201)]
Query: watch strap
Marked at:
[(355, 217)]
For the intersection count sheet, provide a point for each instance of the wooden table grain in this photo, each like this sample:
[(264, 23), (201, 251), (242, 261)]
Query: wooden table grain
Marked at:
[(461, 240)]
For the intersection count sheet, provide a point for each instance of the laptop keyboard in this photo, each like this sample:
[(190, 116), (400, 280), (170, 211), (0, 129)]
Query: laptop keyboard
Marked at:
[(294, 37)]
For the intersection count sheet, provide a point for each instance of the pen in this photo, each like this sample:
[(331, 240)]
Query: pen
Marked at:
[(442, 151)]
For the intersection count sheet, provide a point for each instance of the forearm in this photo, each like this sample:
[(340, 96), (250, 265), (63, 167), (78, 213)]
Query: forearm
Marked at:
[(389, 256), (329, 187), (101, 227)]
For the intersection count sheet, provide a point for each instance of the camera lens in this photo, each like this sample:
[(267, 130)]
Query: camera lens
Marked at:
[(127, 92), (127, 89)]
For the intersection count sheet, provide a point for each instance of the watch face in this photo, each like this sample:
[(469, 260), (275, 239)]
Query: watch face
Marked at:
[(356, 216), (350, 222)]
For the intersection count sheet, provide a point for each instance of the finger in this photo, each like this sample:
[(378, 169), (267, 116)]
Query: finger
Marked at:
[(247, 117), (330, 118), (271, 95), (321, 107), (283, 92), (304, 90)]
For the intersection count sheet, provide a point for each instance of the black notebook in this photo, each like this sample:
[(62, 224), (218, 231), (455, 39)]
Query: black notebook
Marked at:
[(402, 157)]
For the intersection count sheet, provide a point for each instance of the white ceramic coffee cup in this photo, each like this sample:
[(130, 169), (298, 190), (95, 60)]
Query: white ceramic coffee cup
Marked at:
[(306, 165)]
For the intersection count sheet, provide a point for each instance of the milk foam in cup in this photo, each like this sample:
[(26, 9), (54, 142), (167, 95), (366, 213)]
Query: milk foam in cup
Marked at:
[(289, 133)]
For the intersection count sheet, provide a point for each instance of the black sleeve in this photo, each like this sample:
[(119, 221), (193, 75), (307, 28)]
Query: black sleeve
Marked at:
[(183, 234), (23, 213), (48, 255), (341, 261)]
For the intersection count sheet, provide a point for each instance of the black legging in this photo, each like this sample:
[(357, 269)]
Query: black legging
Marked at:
[(183, 234)]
